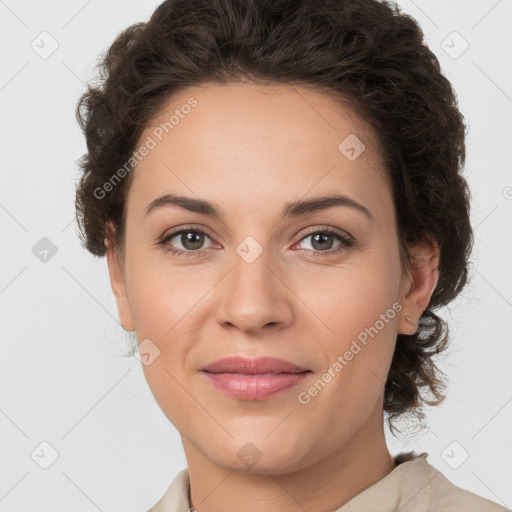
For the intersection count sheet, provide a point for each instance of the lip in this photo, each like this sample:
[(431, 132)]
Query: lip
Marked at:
[(253, 379), (252, 366)]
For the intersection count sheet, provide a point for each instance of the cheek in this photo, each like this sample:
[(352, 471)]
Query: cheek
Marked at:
[(165, 383), (352, 299), (162, 296), (162, 307), (355, 313)]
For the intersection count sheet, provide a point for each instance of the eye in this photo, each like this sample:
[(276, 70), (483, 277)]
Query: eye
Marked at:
[(191, 241), (322, 242)]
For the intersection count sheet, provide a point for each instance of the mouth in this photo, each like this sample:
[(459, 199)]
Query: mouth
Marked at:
[(254, 379)]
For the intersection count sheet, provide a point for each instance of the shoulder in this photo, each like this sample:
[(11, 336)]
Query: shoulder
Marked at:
[(447, 497), (176, 495)]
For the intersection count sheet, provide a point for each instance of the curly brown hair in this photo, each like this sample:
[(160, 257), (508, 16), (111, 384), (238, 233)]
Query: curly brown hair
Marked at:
[(367, 53)]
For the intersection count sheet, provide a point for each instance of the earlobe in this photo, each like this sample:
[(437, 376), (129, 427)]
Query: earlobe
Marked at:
[(420, 284), (118, 285)]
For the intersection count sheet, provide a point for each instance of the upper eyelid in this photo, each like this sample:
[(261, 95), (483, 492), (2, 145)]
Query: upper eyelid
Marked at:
[(328, 229), (177, 231)]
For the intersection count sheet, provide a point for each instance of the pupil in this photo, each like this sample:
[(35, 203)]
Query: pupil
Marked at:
[(193, 238), (323, 237)]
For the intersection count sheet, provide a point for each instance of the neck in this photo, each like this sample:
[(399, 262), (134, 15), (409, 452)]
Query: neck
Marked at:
[(324, 486)]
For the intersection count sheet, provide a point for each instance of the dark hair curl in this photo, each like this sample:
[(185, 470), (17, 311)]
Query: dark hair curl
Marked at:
[(366, 52)]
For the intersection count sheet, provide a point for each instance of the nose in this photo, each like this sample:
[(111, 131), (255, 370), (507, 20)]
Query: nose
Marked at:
[(253, 296)]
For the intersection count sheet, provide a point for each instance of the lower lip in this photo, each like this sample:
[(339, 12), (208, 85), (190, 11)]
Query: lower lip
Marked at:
[(254, 387)]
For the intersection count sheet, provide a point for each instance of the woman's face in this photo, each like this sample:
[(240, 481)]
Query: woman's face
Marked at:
[(263, 279)]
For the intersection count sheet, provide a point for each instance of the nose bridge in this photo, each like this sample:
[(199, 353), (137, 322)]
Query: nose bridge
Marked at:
[(252, 296)]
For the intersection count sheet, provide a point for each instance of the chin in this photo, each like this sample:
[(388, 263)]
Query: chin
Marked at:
[(260, 456)]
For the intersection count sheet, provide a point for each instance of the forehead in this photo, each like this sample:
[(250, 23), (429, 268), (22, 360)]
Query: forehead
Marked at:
[(293, 113), (252, 142)]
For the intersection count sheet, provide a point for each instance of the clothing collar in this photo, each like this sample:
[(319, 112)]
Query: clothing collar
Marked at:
[(406, 488)]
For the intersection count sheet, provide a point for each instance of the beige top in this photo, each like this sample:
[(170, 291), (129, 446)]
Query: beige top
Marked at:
[(413, 486)]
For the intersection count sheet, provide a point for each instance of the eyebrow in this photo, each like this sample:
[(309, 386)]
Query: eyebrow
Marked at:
[(293, 209)]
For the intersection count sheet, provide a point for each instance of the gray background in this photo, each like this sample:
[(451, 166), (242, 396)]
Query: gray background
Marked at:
[(63, 378)]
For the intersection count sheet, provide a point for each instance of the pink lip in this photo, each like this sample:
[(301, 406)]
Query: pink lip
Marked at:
[(254, 387), (252, 366), (253, 379)]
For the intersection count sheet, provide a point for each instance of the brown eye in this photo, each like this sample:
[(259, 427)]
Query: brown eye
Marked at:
[(191, 240), (322, 243), (185, 242)]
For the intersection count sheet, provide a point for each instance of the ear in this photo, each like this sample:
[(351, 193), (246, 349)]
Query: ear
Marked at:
[(118, 284), (419, 284)]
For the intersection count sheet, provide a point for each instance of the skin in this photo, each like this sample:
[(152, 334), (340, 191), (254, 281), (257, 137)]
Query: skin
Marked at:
[(250, 149)]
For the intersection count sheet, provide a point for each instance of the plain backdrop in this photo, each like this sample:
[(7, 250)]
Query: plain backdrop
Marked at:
[(69, 399)]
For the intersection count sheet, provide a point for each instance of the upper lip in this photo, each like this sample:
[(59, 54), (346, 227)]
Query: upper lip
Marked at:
[(252, 366)]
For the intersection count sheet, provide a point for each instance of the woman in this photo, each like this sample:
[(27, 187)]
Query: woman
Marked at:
[(229, 140)]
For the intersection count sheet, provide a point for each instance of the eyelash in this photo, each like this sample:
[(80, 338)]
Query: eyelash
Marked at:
[(346, 243)]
